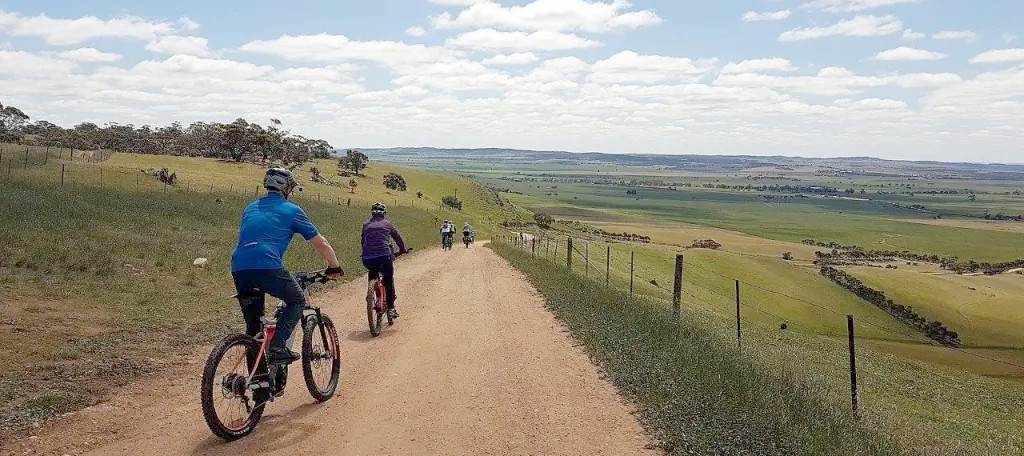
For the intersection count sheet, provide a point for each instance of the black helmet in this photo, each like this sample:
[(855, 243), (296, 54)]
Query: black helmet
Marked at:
[(379, 209), (279, 180)]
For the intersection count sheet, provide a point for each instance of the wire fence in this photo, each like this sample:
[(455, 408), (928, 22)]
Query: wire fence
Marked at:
[(617, 266)]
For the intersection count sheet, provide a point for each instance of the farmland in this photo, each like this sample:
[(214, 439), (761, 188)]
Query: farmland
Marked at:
[(786, 303)]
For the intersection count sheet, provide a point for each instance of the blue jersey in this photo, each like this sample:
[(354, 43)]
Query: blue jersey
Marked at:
[(267, 227)]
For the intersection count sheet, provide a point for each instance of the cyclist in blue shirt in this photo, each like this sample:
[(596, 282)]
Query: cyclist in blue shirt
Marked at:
[(267, 227)]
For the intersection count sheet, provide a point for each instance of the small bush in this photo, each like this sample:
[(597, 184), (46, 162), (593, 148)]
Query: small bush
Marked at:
[(394, 181), (788, 256), (543, 220), (452, 202)]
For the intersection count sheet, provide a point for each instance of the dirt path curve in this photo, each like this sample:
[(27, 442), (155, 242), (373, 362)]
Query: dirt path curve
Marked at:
[(475, 366)]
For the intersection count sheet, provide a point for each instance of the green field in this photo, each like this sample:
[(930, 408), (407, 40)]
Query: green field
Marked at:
[(986, 311)]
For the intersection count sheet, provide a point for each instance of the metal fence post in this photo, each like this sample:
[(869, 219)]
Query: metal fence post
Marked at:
[(61, 174), (853, 365), (101, 177), (533, 247), (632, 257), (738, 341), (608, 267), (677, 288)]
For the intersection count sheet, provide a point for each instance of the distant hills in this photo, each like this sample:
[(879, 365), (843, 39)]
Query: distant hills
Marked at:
[(857, 165)]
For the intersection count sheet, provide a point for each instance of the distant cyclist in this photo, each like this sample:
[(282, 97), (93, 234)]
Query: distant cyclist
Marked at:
[(467, 231), (267, 227), (377, 254)]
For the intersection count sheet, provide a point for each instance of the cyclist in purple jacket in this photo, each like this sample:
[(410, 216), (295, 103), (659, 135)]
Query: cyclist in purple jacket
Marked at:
[(377, 254)]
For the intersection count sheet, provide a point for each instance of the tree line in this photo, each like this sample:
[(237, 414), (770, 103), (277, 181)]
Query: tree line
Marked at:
[(935, 330), (238, 141)]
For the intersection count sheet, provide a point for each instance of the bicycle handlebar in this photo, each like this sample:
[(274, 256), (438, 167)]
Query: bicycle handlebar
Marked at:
[(309, 278)]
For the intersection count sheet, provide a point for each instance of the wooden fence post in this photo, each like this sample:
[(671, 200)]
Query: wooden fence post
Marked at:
[(568, 254), (26, 157), (853, 365), (677, 288), (101, 177), (533, 247)]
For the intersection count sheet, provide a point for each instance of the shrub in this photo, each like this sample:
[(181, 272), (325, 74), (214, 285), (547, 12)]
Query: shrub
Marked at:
[(452, 202), (544, 220), (419, 194), (706, 244), (394, 181), (788, 256)]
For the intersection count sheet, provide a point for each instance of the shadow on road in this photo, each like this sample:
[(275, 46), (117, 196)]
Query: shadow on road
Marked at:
[(275, 432), (364, 335)]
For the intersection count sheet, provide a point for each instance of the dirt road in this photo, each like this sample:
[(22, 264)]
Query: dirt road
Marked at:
[(475, 366)]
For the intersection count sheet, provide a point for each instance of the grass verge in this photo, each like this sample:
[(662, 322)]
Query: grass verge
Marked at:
[(697, 394)]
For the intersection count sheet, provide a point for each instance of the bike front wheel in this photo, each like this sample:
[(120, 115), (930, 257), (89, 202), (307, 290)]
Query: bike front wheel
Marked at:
[(321, 357), (231, 405)]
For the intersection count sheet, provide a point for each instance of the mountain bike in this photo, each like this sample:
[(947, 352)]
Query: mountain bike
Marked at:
[(467, 238), (239, 380), (447, 239), (376, 303)]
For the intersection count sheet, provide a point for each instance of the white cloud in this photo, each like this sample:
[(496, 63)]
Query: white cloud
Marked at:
[(908, 54), (878, 104), (515, 58), (33, 66), (549, 15), (965, 35), (520, 41), (858, 26), (759, 66), (847, 6), (1009, 37), (630, 67), (188, 24), (910, 34), (63, 32), (753, 16), (339, 48), (187, 64), (188, 45), (416, 31), (89, 55), (1000, 56)]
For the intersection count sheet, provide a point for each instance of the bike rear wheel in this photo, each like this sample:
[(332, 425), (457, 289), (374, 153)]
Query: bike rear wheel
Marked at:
[(321, 357), (375, 307), (231, 408)]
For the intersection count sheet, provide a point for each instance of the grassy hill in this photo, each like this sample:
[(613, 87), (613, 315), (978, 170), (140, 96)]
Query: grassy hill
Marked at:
[(97, 276)]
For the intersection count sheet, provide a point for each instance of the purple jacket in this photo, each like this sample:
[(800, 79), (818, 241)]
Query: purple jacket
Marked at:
[(377, 235)]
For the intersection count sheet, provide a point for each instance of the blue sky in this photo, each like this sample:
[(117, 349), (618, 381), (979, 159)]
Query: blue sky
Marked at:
[(907, 79)]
